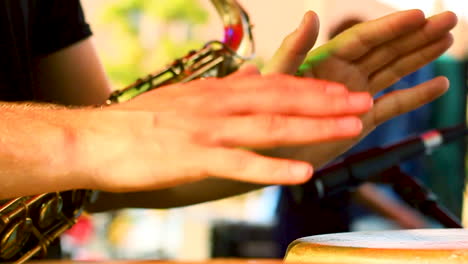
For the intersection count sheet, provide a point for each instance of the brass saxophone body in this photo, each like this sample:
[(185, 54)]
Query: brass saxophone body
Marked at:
[(29, 224), (215, 59)]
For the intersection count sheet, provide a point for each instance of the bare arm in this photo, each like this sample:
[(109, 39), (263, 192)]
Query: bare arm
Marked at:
[(72, 76), (39, 147), (373, 198), (173, 135), (426, 38), (293, 51), (183, 195)]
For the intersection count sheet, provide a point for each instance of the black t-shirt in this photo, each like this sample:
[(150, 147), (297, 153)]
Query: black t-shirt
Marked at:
[(30, 29)]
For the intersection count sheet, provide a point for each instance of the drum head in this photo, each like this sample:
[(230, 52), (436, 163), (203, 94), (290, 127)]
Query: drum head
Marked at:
[(403, 246), (211, 261)]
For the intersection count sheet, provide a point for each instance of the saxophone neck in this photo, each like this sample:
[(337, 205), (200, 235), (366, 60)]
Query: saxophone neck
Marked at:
[(237, 28)]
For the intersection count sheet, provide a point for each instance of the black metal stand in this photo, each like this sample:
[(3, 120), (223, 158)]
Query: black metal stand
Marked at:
[(415, 194)]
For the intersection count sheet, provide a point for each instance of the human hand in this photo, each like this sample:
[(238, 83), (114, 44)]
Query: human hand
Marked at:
[(186, 132), (369, 57), (380, 202)]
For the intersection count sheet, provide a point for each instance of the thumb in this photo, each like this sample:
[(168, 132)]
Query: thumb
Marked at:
[(295, 46)]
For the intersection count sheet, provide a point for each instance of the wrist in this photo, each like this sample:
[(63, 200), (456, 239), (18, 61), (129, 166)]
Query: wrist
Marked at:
[(105, 146), (37, 153), (68, 152)]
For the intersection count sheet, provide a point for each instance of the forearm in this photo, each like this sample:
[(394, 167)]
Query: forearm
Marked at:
[(34, 152), (183, 195), (204, 190), (370, 196), (318, 155), (46, 148), (208, 189)]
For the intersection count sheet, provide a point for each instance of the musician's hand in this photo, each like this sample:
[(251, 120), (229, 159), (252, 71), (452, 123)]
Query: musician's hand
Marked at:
[(186, 132), (369, 57)]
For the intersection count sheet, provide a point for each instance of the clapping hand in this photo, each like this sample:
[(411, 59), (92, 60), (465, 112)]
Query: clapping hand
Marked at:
[(368, 57)]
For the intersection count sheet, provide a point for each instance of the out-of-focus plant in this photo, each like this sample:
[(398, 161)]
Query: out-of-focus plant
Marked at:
[(177, 10), (132, 22)]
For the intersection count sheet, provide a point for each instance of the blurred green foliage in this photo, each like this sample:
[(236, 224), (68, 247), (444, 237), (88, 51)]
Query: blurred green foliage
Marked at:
[(130, 60), (177, 10)]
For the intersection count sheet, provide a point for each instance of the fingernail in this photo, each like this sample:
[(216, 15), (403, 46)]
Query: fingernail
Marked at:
[(349, 124), (300, 171), (335, 89), (304, 19), (360, 100)]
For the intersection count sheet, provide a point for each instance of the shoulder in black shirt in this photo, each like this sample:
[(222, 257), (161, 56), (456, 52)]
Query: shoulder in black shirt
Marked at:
[(33, 28)]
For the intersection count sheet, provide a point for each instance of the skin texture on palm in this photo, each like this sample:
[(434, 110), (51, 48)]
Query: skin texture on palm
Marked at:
[(368, 57)]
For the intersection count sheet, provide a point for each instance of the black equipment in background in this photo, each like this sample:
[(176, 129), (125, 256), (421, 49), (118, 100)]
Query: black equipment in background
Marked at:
[(352, 171), (415, 194), (381, 165)]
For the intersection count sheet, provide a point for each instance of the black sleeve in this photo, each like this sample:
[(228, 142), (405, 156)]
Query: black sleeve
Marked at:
[(58, 24)]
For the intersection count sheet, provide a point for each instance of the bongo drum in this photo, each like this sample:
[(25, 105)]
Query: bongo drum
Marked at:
[(212, 261), (419, 246)]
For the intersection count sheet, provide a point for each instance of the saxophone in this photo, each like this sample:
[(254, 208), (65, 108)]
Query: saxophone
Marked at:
[(29, 224)]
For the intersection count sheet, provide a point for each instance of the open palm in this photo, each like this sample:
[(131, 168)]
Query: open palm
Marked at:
[(368, 57)]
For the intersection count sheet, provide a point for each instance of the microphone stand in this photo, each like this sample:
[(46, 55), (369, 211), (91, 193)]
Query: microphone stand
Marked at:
[(381, 163), (415, 194), (362, 166)]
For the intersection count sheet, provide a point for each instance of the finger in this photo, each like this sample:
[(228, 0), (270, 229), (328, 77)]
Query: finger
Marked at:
[(435, 28), (360, 39), (295, 46), (247, 166), (243, 84), (403, 101), (298, 96), (262, 131), (408, 64)]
